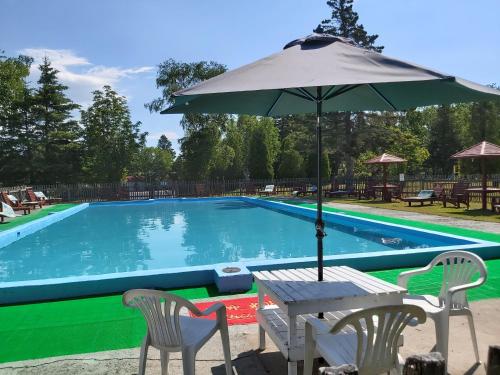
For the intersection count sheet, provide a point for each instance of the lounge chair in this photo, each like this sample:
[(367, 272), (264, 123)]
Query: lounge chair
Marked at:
[(6, 211), (337, 192), (268, 190), (31, 199), (458, 195), (304, 191), (169, 331), (460, 271), (14, 204), (367, 343), (44, 199), (422, 197)]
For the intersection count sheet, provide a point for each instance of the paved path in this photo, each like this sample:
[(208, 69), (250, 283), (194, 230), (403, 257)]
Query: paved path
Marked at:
[(435, 219), (248, 361)]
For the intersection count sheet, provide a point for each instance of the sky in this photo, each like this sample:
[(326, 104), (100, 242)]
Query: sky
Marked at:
[(121, 42)]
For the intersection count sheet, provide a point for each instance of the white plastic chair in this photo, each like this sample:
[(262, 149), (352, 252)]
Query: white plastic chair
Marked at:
[(459, 270), (367, 338), (168, 331)]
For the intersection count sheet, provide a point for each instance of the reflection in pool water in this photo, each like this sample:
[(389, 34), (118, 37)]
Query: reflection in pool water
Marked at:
[(120, 238)]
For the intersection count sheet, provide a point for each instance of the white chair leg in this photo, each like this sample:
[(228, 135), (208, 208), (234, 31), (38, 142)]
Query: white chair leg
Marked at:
[(224, 335), (164, 356), (188, 362), (144, 355), (473, 334), (309, 346), (442, 323)]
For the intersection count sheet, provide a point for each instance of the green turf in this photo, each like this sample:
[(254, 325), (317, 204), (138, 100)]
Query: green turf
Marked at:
[(34, 215), (102, 323)]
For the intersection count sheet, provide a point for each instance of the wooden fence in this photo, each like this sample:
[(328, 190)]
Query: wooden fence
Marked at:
[(95, 192)]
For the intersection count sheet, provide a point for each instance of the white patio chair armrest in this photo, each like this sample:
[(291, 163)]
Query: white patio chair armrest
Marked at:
[(460, 288), (403, 277), (317, 325)]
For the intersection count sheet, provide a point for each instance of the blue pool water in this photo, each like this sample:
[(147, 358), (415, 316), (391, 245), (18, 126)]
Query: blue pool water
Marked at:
[(106, 239)]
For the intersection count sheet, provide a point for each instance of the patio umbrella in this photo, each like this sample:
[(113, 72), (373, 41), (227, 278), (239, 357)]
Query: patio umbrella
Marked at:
[(384, 160), (482, 151), (324, 73)]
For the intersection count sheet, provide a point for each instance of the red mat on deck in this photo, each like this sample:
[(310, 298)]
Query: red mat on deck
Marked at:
[(239, 311)]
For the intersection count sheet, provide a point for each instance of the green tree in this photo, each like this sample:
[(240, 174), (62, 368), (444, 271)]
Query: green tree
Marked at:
[(165, 144), (344, 22), (263, 149), (291, 164), (197, 151), (312, 164), (58, 158), (445, 138), (235, 141), (152, 163), (111, 139), (17, 128)]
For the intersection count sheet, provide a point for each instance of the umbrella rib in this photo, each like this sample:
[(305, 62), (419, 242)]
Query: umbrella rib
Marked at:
[(341, 91), (297, 94), (308, 94), (381, 96), (274, 103)]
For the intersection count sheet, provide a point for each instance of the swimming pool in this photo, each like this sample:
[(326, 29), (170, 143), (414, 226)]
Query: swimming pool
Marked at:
[(113, 240)]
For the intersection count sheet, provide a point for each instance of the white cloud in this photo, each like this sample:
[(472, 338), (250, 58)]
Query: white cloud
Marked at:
[(79, 74)]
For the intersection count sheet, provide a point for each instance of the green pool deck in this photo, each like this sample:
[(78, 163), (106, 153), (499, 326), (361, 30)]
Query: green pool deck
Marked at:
[(34, 215), (87, 325)]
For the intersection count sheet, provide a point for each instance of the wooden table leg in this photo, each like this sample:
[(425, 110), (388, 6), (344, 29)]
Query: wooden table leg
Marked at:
[(262, 333), (292, 342)]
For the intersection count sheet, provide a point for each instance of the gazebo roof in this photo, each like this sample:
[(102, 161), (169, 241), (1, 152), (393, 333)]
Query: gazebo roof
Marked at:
[(385, 159), (481, 150)]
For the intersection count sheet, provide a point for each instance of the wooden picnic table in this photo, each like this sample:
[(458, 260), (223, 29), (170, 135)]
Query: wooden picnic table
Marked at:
[(297, 293), (386, 189), (484, 193)]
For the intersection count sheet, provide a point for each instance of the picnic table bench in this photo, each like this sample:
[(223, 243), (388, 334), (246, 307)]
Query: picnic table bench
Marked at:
[(297, 293)]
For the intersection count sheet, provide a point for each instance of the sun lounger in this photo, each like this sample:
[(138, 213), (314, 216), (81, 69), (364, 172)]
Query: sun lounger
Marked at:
[(268, 190), (6, 211), (422, 197), (32, 200), (44, 199), (15, 205), (304, 191)]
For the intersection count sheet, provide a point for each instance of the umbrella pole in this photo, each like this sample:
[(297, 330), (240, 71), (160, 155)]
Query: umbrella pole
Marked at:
[(484, 196), (320, 233)]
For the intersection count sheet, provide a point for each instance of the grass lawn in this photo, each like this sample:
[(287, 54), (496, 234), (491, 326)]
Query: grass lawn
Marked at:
[(474, 213)]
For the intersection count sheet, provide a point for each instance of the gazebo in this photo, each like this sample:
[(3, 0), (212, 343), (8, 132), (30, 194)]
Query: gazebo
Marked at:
[(482, 151), (384, 160)]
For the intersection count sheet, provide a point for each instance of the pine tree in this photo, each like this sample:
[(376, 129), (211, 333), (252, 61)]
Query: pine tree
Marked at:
[(344, 22), (58, 155), (111, 139), (166, 145)]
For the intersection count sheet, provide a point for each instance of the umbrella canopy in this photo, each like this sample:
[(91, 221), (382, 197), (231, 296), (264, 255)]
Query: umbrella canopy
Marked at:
[(483, 151), (385, 159), (352, 79), (324, 73)]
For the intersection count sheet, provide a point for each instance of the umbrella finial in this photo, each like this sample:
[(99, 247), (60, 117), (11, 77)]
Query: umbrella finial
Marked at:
[(319, 40)]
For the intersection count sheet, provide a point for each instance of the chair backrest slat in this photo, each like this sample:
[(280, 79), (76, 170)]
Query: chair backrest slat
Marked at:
[(378, 330), (459, 268)]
